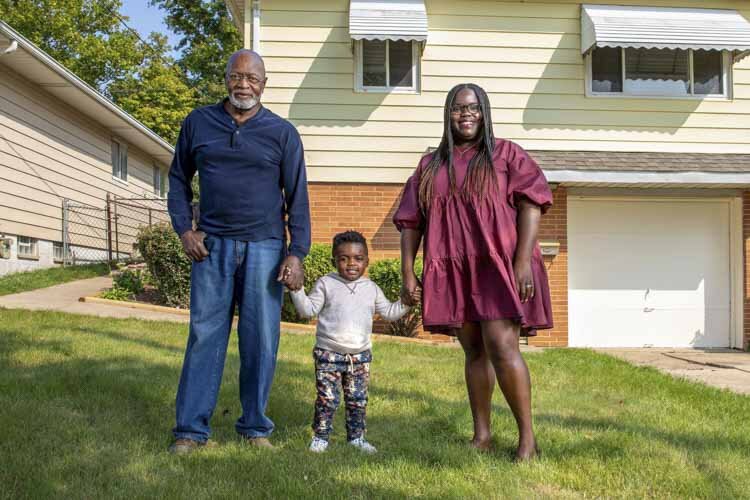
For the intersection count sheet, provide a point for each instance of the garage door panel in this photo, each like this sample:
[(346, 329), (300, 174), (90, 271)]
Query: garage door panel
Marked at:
[(648, 273)]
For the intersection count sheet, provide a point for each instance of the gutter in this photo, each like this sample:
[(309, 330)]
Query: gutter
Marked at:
[(256, 26), (571, 176), (61, 70)]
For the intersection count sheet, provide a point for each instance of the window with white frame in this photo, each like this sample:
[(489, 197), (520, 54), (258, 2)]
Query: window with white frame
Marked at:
[(119, 160), (658, 72), (160, 182), (28, 248), (387, 65)]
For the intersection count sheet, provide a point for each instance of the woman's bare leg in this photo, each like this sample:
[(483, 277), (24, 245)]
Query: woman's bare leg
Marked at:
[(501, 347), (480, 382)]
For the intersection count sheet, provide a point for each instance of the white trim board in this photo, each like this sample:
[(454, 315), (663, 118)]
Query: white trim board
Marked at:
[(735, 179)]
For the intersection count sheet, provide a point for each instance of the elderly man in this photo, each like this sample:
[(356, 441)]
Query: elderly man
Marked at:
[(252, 182)]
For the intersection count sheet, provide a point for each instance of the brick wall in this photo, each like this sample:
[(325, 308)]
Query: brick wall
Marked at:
[(554, 227), (368, 208), (746, 266)]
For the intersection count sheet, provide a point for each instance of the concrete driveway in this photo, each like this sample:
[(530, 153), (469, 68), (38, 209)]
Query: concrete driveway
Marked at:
[(722, 368)]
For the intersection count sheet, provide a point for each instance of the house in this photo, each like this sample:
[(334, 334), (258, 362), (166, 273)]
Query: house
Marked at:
[(62, 143), (638, 112)]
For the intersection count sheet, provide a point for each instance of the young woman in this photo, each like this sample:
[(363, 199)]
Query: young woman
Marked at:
[(477, 201)]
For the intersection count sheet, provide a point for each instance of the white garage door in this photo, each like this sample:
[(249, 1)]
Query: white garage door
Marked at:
[(648, 273)]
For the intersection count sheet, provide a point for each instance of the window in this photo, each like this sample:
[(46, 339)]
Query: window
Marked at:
[(27, 248), (386, 65), (119, 161), (58, 251), (160, 182), (658, 72)]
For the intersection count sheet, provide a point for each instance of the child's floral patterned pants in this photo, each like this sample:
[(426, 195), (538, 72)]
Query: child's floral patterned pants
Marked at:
[(333, 372)]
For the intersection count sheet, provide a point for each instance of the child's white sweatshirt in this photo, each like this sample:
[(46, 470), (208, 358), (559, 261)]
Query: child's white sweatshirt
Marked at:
[(345, 309)]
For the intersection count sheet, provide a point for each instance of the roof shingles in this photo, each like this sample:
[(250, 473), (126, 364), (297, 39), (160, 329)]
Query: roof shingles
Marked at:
[(641, 162)]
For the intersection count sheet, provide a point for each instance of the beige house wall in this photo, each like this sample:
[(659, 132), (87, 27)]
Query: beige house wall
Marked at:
[(525, 54), (48, 152)]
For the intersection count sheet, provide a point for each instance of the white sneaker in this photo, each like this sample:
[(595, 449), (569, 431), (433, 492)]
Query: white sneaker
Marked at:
[(363, 445), (318, 445)]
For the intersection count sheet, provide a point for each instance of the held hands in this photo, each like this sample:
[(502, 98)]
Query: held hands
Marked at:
[(192, 243), (411, 291), (524, 279), (291, 273)]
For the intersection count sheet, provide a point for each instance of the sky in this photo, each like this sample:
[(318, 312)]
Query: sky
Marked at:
[(145, 19)]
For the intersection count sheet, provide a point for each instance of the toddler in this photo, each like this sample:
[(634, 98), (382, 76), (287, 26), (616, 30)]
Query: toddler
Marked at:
[(344, 302)]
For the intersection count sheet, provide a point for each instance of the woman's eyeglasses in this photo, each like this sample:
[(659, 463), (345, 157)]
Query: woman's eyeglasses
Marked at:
[(238, 77), (472, 108)]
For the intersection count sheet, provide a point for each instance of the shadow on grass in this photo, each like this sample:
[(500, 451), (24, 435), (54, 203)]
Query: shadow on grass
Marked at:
[(96, 424)]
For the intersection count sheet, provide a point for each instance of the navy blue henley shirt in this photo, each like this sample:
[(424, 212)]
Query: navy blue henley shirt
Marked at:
[(250, 176)]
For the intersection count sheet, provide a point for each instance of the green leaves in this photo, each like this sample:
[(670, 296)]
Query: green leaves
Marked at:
[(387, 274), (91, 39), (208, 38), (86, 36), (167, 263), (157, 94)]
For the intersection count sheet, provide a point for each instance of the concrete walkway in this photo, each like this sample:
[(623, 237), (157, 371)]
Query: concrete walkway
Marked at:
[(64, 298), (722, 368)]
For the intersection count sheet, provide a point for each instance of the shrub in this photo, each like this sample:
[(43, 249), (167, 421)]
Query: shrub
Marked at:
[(386, 274), (115, 293), (317, 264), (168, 266), (129, 280)]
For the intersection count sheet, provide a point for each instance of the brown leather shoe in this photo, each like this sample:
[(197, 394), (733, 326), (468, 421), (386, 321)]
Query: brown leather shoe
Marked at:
[(260, 442), (184, 446)]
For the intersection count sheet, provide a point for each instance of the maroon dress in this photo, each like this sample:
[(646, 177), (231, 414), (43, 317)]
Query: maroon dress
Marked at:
[(469, 243)]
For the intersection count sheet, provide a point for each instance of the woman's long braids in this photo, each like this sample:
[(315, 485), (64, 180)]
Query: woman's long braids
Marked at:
[(481, 173)]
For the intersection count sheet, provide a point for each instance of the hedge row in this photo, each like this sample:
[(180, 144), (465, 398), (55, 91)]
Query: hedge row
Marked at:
[(169, 270)]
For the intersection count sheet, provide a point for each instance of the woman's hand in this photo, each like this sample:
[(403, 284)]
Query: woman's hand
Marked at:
[(411, 290), (524, 279)]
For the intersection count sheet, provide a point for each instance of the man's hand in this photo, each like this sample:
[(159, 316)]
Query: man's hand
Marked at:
[(192, 242), (291, 273)]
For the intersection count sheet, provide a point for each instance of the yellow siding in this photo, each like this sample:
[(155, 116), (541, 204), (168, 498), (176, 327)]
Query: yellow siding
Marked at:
[(525, 54), (49, 152)]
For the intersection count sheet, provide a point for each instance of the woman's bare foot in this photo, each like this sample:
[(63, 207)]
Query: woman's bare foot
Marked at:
[(526, 452), (482, 444)]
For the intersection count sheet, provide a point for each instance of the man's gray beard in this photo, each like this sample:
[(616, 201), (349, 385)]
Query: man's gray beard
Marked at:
[(243, 104)]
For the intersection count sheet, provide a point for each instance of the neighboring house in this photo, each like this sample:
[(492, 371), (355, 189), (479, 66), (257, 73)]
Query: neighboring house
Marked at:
[(639, 116), (62, 140)]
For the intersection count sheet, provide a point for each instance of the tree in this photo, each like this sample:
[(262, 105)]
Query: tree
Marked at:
[(157, 94), (208, 38), (86, 36)]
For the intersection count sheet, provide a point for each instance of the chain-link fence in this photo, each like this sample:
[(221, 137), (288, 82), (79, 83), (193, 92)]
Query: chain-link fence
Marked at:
[(128, 216), (108, 233)]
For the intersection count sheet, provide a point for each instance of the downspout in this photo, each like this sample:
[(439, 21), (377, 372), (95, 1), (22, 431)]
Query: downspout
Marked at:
[(256, 26), (247, 16), (10, 49)]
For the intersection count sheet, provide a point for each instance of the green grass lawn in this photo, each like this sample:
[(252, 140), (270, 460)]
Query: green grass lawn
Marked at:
[(86, 407), (42, 278)]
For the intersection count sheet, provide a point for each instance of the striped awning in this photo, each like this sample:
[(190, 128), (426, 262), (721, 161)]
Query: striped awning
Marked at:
[(663, 28), (388, 20)]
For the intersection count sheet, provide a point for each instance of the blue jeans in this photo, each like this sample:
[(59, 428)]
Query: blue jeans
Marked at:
[(241, 274)]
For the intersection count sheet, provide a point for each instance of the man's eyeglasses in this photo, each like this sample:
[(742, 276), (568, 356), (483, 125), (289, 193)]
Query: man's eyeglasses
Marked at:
[(472, 108), (238, 77)]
